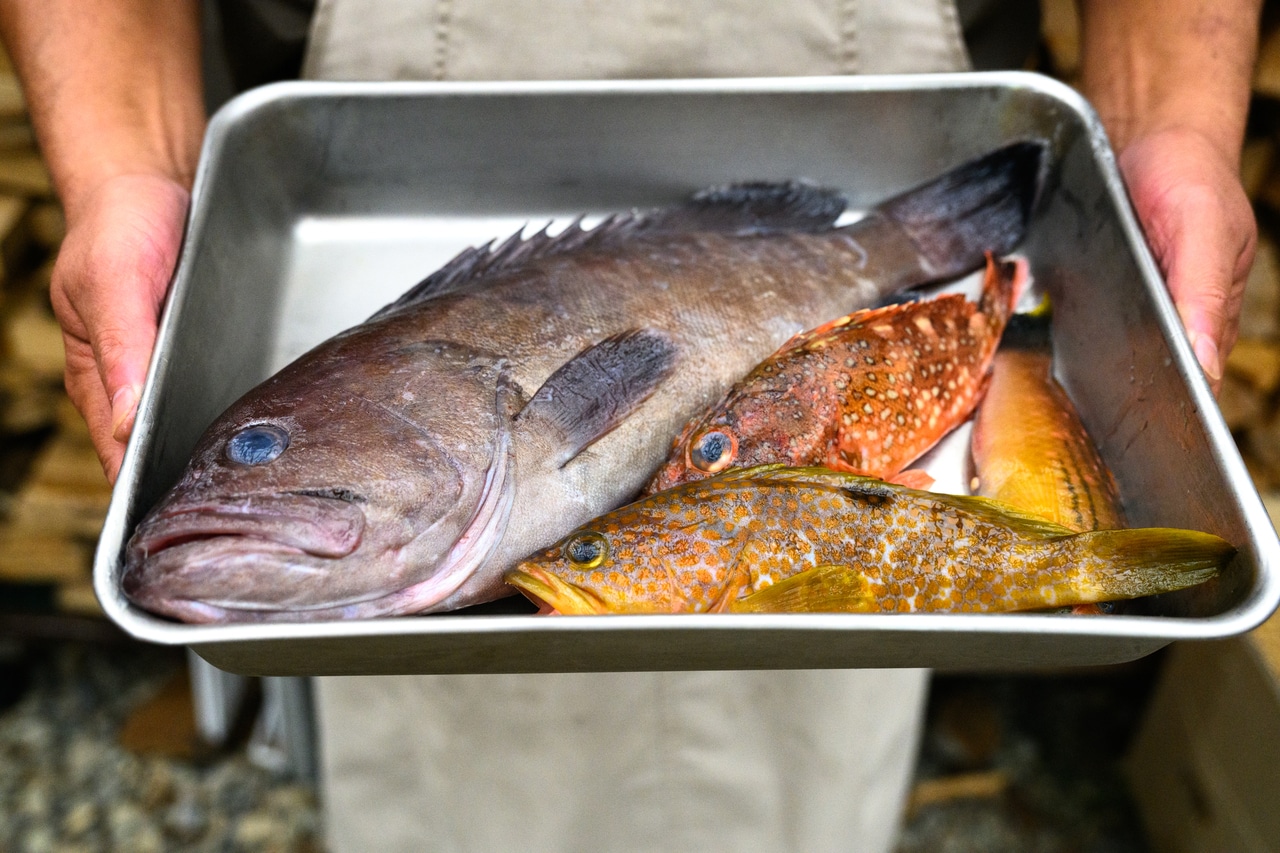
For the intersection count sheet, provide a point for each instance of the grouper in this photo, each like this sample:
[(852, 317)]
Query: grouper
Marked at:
[(405, 464)]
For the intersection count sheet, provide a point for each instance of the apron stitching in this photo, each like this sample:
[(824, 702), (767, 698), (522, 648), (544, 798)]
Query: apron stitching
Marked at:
[(848, 37), (444, 18), (954, 39), (318, 34)]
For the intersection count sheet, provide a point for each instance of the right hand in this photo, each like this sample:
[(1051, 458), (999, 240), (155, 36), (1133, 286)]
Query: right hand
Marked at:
[(109, 284)]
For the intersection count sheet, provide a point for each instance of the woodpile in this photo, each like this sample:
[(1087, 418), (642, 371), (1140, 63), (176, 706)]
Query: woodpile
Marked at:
[(53, 495)]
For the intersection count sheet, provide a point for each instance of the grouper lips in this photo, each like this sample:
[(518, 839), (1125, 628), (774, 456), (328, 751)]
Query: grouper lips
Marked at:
[(552, 594), (320, 526)]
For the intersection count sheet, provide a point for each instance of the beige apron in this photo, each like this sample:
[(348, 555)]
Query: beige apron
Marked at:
[(703, 761), (597, 39)]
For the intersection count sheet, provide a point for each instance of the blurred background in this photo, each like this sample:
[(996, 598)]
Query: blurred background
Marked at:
[(105, 745)]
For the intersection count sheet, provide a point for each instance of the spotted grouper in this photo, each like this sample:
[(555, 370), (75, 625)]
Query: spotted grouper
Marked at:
[(866, 394), (402, 466), (781, 539)]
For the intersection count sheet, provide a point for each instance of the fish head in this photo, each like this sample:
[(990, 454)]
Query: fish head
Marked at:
[(756, 424), (340, 487), (673, 552)]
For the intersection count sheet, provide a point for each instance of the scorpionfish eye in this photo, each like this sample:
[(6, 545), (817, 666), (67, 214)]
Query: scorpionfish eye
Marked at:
[(713, 451), (586, 550), (257, 444)]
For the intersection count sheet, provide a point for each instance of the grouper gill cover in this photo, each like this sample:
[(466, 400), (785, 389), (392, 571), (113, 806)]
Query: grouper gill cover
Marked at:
[(405, 464)]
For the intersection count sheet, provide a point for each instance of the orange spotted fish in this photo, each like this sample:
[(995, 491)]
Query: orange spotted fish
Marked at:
[(774, 538), (867, 393)]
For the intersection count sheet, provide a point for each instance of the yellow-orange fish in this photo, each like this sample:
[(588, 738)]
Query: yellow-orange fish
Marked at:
[(1030, 448), (867, 393), (774, 538)]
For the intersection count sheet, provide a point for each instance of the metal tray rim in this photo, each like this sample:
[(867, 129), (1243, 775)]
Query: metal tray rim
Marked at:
[(1261, 603)]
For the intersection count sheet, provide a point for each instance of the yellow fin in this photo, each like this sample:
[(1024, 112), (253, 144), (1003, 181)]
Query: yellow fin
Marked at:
[(1151, 560), (822, 589)]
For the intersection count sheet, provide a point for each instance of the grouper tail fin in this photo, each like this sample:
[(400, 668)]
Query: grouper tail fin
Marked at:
[(980, 206), (1148, 561)]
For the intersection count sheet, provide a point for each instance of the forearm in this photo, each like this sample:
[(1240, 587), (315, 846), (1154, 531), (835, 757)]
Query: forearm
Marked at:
[(113, 86), (1154, 65)]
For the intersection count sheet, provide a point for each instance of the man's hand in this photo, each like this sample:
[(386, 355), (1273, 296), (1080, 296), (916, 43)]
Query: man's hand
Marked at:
[(109, 284), (1202, 231), (115, 96), (1170, 79)]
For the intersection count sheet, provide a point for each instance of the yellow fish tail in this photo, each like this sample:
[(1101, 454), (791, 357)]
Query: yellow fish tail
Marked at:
[(1148, 561)]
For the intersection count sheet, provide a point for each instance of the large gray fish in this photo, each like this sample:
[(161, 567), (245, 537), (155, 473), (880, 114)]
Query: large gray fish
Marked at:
[(403, 465)]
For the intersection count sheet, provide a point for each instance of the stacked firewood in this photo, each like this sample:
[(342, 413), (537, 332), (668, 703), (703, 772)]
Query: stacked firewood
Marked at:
[(53, 495)]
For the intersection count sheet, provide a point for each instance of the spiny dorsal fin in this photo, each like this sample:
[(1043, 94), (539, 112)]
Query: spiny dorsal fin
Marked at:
[(747, 208), (880, 493), (756, 207)]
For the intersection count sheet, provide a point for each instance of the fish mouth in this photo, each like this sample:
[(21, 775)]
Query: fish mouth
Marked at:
[(553, 595), (171, 549), (307, 523)]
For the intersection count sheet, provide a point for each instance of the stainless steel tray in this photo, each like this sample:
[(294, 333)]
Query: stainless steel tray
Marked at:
[(315, 204)]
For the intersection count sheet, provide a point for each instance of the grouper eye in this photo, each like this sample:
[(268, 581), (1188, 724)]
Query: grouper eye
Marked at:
[(257, 444), (713, 451), (586, 550)]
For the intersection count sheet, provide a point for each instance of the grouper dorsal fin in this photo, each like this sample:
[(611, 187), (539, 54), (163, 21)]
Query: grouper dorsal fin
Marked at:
[(746, 208), (598, 388)]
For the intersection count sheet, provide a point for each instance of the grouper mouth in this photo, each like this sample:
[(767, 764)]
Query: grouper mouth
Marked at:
[(553, 595), (287, 524), (320, 526)]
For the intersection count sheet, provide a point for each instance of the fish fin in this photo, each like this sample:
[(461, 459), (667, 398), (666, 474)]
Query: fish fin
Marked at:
[(983, 205), (880, 493), (1001, 286), (598, 388), (913, 478), (753, 208), (746, 208), (822, 589), (865, 318), (1151, 560)]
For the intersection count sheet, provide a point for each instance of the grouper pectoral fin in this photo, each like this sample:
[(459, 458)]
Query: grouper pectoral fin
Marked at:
[(598, 388), (822, 589)]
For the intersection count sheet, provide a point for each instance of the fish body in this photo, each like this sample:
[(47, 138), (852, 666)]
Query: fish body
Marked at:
[(1030, 448), (775, 538), (867, 393), (403, 465)]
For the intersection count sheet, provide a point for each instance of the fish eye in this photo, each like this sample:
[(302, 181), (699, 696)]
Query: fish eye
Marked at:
[(586, 550), (257, 444), (713, 451)]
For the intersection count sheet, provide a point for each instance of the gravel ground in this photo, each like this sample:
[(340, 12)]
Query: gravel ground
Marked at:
[(68, 786), (1016, 764)]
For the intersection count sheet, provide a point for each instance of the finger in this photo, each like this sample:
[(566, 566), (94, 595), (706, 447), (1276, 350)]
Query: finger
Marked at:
[(109, 287), (136, 275), (84, 387)]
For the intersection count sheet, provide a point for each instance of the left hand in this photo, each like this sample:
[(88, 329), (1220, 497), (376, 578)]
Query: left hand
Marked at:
[(1201, 228)]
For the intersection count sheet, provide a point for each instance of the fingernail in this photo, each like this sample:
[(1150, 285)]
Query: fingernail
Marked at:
[(1207, 354), (123, 408)]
